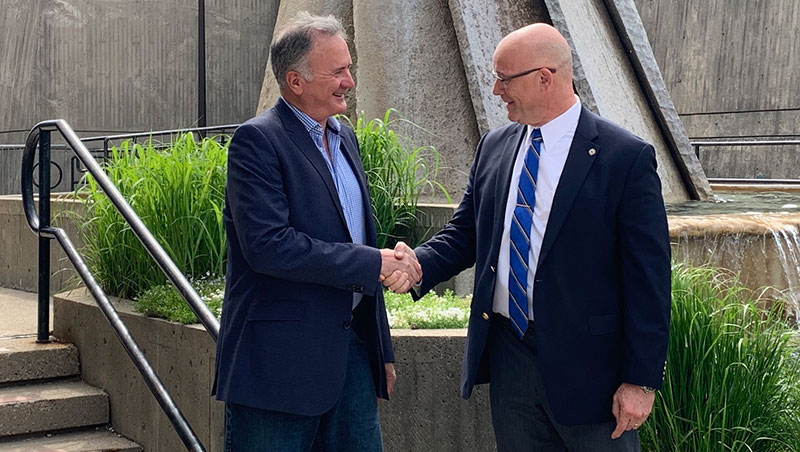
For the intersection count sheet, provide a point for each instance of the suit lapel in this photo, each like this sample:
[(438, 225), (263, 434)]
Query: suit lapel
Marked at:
[(579, 161), (303, 142)]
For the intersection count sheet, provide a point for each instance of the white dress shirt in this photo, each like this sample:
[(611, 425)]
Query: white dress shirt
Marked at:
[(556, 140)]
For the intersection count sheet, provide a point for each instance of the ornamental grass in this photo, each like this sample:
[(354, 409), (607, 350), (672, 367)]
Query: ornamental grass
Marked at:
[(732, 381), (178, 192), (399, 172)]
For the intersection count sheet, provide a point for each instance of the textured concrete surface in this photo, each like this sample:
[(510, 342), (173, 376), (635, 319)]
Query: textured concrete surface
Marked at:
[(18, 246), (18, 313), (479, 26), (22, 359), (425, 413), (436, 69), (418, 70), (97, 440), (762, 162), (711, 67), (613, 82), (51, 406), (633, 37), (181, 356), (720, 84)]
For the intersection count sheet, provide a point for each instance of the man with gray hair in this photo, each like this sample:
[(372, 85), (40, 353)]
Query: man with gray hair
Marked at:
[(304, 344)]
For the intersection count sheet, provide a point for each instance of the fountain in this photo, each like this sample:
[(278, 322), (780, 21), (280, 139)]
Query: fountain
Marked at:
[(755, 235)]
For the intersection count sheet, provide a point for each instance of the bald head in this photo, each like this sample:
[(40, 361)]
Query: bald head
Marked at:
[(540, 95), (543, 44)]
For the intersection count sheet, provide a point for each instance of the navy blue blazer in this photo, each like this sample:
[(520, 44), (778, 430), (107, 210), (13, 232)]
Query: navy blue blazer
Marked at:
[(292, 271), (602, 286)]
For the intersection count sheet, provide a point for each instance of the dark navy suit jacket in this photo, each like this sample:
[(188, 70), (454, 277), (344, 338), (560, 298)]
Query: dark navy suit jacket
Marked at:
[(602, 286), (292, 271)]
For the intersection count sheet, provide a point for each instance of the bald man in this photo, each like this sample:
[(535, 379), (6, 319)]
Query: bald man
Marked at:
[(564, 221)]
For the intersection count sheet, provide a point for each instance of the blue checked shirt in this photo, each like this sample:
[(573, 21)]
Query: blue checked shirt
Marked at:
[(343, 177)]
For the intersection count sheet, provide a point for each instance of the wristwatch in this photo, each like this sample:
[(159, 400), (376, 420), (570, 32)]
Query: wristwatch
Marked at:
[(648, 389)]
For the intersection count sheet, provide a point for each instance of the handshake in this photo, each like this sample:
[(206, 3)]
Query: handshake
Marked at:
[(400, 270)]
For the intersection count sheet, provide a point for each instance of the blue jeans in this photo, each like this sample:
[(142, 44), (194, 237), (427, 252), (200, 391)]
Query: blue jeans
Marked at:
[(352, 425), (521, 416)]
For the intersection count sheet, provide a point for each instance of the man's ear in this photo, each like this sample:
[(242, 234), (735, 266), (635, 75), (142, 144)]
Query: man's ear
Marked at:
[(294, 82), (545, 77)]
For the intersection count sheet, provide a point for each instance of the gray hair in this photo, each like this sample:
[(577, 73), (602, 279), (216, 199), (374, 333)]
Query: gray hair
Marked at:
[(289, 51)]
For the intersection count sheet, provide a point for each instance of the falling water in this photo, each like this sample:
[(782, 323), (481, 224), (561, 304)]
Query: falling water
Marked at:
[(787, 241)]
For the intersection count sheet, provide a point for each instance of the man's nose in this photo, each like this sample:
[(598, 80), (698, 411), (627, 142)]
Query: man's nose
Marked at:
[(348, 81), (497, 87)]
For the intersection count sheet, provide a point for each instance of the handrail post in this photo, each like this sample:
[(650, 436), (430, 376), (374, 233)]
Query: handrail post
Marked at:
[(43, 330)]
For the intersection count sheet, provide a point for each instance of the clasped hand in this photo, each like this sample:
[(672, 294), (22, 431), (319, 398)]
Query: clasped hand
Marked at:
[(400, 269)]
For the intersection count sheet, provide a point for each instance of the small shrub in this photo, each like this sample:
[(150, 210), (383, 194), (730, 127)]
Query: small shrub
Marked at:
[(165, 302), (430, 312), (732, 380)]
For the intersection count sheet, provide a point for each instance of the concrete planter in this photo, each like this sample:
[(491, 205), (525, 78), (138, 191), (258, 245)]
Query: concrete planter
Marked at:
[(425, 412)]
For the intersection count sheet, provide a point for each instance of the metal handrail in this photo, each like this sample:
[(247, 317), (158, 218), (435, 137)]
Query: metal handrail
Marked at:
[(40, 224), (107, 139)]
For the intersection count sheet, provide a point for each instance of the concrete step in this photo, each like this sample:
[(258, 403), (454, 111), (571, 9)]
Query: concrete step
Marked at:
[(51, 406), (23, 360), (94, 440)]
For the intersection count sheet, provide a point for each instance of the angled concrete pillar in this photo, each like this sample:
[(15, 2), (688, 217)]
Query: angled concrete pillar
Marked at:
[(432, 60)]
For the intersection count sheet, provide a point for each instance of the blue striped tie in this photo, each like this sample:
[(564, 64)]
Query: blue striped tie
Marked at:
[(520, 233)]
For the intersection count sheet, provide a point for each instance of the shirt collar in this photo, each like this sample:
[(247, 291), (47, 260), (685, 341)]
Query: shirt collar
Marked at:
[(554, 130), (311, 125)]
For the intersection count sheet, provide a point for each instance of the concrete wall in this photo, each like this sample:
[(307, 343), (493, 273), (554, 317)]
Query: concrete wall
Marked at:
[(19, 247), (425, 413), (111, 66), (731, 68)]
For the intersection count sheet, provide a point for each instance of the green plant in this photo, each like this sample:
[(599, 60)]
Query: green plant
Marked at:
[(731, 381), (398, 173), (165, 302), (430, 312), (179, 195)]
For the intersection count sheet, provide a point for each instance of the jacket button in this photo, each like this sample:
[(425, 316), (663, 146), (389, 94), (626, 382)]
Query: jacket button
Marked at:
[(491, 267), (485, 316), (346, 325)]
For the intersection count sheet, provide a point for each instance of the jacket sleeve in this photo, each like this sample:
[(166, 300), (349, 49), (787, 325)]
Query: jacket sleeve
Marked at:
[(645, 254)]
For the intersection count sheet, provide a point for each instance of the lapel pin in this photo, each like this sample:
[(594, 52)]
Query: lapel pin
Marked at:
[(592, 151)]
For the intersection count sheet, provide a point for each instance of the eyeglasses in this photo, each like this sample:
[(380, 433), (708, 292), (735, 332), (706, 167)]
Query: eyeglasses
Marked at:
[(505, 79)]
